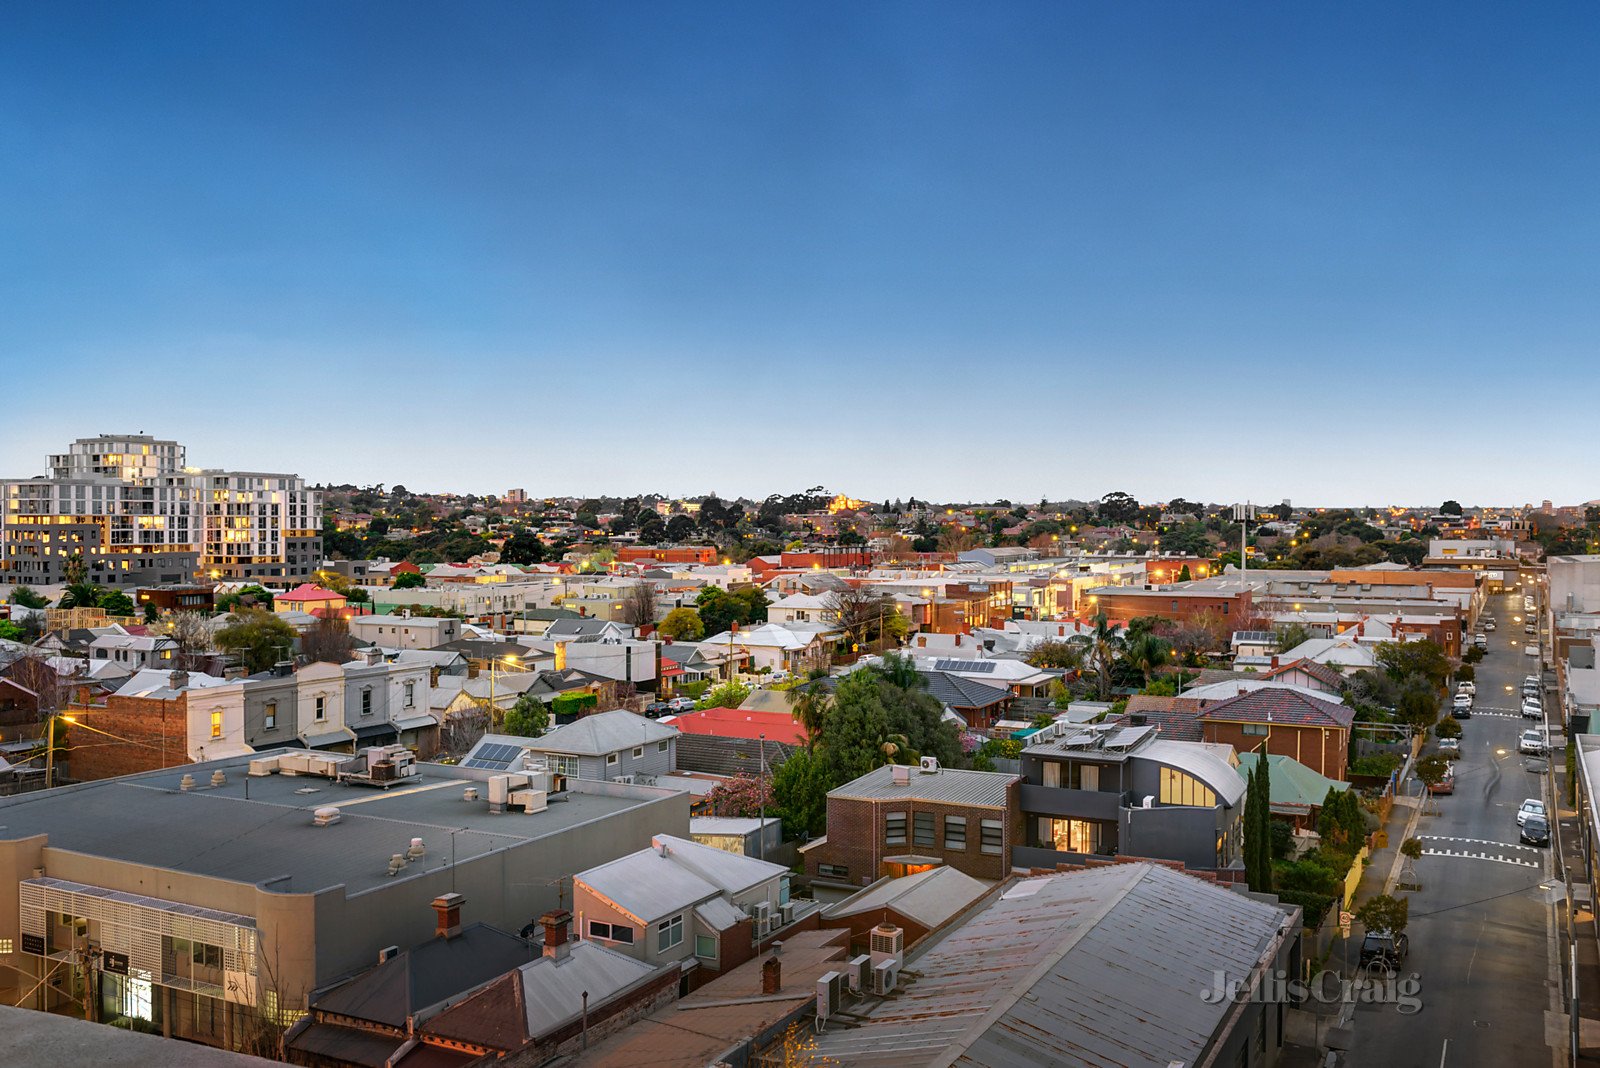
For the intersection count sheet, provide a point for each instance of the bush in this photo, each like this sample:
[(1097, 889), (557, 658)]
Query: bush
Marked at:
[(1315, 906), (570, 704), (1282, 839), (1466, 673), (1310, 875), (1379, 764), (1472, 655)]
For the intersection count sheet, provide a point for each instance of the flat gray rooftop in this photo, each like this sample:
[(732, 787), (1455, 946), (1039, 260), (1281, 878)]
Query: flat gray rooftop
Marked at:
[(269, 838)]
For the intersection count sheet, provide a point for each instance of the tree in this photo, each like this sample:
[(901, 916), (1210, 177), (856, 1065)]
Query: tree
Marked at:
[(1257, 822), (639, 605), (1424, 658), (116, 603), (1450, 508), (900, 671), (1432, 770), (76, 572), (28, 597), (1448, 727), (1290, 636), (682, 624), (329, 640), (800, 794), (680, 528), (859, 612), (1146, 652), (727, 695), (741, 797), (192, 632), (522, 548), (10, 632), (809, 705), (1117, 507), (1384, 914), (257, 637), (1102, 647), (80, 595), (755, 603), (1058, 654), (411, 580), (528, 718)]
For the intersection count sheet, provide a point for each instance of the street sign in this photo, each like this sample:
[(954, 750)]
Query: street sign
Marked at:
[(114, 962), (1345, 917)]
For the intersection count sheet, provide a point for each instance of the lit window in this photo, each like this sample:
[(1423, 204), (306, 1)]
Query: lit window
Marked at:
[(271, 716), (1178, 788), (216, 724)]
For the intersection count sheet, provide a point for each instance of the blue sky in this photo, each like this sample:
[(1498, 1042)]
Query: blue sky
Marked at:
[(1337, 253)]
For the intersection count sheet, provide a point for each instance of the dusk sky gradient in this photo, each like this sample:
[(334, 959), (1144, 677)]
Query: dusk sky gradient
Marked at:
[(1339, 253)]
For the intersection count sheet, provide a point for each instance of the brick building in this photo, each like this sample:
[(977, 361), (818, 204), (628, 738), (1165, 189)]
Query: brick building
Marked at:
[(676, 554), (898, 820), (1123, 603), (1284, 721)]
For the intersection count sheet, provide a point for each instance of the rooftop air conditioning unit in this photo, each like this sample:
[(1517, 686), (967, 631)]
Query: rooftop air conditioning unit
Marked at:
[(761, 913), (326, 816), (861, 974), (884, 976), (786, 913), (900, 774), (830, 992), (930, 765), (626, 780), (887, 942)]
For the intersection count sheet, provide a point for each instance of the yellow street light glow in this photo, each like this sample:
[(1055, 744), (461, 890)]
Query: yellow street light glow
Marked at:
[(66, 717)]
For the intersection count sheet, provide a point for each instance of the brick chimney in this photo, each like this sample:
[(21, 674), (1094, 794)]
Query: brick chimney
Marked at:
[(555, 933), (771, 976), (447, 909), (177, 680)]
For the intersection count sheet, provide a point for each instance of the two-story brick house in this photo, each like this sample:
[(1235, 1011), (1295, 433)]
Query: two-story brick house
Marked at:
[(1301, 724), (897, 819)]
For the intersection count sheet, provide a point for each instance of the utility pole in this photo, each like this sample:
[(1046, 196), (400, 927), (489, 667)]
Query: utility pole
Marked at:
[(1242, 514)]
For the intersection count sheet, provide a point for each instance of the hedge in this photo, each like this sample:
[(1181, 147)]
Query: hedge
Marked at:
[(1316, 905)]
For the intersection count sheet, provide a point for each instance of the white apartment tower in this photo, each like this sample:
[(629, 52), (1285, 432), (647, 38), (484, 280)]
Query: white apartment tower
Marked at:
[(138, 515)]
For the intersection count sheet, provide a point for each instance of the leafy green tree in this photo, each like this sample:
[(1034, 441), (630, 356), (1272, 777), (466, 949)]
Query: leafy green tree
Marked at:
[(1450, 508), (410, 580), (900, 671), (1257, 822), (1102, 648), (755, 604), (800, 794), (257, 637), (809, 705), (682, 624), (1384, 914), (116, 603), (76, 572), (727, 695), (527, 718), (80, 595), (521, 548), (1057, 653), (1146, 653), (1424, 658), (28, 597), (10, 632), (151, 613)]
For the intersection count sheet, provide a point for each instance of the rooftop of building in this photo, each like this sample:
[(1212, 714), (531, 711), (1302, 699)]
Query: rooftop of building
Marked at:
[(954, 786), (259, 831)]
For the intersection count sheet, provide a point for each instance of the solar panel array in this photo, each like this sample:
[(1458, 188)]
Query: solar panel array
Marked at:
[(970, 667), (493, 756)]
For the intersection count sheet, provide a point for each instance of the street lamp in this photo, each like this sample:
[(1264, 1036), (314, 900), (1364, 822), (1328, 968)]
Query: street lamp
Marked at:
[(513, 660)]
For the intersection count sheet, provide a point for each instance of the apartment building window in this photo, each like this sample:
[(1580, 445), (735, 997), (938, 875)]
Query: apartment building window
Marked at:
[(922, 829), (833, 871), (6, 946), (661, 747), (366, 702), (638, 751), (1178, 788), (894, 829), (955, 833), (271, 717), (669, 933), (992, 836), (705, 947), (1071, 836), (411, 694), (1258, 730), (613, 759), (216, 724), (321, 709), (611, 932)]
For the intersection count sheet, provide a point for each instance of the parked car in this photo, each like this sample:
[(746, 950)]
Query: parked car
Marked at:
[(1536, 831), (1531, 708), (1488, 624), (657, 709), (1531, 743), (681, 704), (1481, 640), (1529, 628), (1467, 687), (1446, 785), (1380, 949), (1531, 807), (1531, 649), (1450, 747), (1532, 682), (1463, 705)]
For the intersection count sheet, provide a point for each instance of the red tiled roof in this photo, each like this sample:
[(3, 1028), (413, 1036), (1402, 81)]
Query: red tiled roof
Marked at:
[(1282, 706), (1321, 672), (743, 723), (307, 591), (1173, 724)]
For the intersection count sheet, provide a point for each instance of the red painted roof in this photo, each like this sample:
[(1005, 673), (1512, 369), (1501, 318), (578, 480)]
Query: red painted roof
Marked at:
[(742, 723), (307, 591)]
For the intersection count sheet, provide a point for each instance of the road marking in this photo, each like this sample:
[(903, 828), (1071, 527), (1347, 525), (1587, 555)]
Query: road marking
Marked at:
[(1463, 855), (1443, 1051), (1479, 841)]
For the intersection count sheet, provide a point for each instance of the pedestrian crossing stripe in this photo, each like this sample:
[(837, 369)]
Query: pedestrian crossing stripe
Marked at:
[(1480, 856)]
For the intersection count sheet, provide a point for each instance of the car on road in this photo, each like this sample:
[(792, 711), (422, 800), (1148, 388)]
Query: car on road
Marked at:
[(1531, 649), (1536, 831), (1385, 951), (1463, 700), (656, 709), (1446, 785), (1450, 747), (1531, 807), (1531, 708), (681, 704), (1531, 743), (1488, 624), (1467, 687), (1529, 628), (1481, 640), (1532, 682)]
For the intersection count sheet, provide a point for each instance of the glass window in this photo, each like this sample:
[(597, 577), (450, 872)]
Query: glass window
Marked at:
[(833, 871), (322, 708), (1178, 788), (271, 716), (894, 829), (611, 932), (922, 829), (661, 747), (638, 751), (993, 836), (955, 832), (1072, 836), (411, 694), (216, 724), (669, 933), (1257, 729), (366, 702), (612, 759), (705, 947)]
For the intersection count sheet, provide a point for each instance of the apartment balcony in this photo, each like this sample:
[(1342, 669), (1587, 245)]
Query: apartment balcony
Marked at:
[(1078, 804)]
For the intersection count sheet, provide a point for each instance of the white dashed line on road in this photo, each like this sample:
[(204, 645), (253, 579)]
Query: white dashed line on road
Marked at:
[(1476, 841), (1480, 856)]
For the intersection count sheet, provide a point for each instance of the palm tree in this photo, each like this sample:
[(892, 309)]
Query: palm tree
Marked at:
[(1147, 652), (1102, 646), (900, 671), (809, 705), (893, 745), (80, 595)]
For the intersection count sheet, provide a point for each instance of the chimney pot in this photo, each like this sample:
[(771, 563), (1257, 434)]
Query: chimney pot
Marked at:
[(771, 976), (555, 923)]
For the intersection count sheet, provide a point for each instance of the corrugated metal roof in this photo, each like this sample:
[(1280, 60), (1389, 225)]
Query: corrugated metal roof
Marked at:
[(650, 886), (1099, 967), (986, 789), (553, 987), (1201, 760), (602, 733), (929, 897), (717, 914)]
